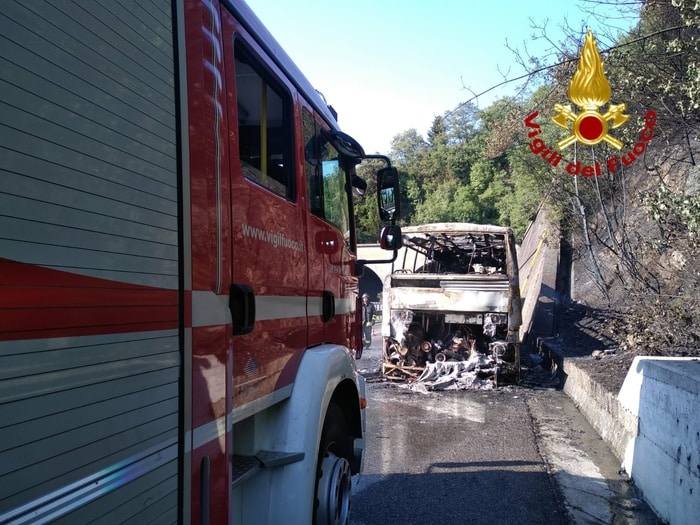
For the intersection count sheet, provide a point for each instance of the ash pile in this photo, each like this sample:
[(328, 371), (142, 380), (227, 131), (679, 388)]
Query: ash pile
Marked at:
[(449, 357)]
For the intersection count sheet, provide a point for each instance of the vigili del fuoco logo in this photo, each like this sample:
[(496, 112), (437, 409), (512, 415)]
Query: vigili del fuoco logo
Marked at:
[(589, 89)]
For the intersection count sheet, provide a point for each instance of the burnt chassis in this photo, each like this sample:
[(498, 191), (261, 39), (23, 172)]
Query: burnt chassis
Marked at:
[(453, 297)]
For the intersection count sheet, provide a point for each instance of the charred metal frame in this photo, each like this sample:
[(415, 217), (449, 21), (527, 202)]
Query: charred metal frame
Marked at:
[(458, 299)]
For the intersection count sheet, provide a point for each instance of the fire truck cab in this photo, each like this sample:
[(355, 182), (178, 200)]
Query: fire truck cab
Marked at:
[(178, 271)]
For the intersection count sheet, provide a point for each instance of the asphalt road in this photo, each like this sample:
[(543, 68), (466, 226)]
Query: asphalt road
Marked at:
[(507, 456)]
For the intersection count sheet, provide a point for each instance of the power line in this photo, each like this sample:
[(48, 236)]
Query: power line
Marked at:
[(561, 63)]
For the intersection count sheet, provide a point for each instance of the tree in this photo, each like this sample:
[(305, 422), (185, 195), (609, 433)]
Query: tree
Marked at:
[(408, 148)]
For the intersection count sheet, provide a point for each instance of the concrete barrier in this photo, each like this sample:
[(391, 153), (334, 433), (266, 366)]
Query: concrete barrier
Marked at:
[(601, 407), (663, 458), (652, 425)]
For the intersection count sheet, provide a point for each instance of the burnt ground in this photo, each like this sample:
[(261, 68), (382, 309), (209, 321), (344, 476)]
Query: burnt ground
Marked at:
[(595, 338), (604, 335)]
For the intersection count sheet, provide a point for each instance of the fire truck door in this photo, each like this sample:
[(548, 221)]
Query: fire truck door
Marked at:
[(330, 259), (269, 273)]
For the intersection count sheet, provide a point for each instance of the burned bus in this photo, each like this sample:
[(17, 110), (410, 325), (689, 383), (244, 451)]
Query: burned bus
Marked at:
[(452, 307)]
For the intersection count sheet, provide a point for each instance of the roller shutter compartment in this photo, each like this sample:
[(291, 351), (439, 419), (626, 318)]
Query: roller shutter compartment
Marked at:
[(90, 350)]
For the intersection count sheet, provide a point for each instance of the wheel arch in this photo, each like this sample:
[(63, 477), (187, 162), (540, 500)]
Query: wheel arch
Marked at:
[(326, 373), (349, 399)]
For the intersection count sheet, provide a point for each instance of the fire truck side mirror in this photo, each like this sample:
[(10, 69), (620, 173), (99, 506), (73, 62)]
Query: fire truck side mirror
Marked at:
[(390, 238), (388, 194)]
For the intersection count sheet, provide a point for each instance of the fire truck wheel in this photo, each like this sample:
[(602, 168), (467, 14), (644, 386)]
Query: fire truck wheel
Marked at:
[(334, 478)]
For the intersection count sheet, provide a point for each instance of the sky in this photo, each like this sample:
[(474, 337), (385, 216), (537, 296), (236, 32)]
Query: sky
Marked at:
[(387, 66)]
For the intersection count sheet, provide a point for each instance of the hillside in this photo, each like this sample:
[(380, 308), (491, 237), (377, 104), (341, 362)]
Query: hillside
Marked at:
[(640, 285)]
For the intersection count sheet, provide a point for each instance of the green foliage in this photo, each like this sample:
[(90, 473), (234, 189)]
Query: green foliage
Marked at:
[(677, 214), (453, 176), (657, 63)]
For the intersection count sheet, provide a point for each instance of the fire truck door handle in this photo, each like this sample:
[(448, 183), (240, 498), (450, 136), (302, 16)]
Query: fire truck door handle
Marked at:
[(328, 311), (242, 305)]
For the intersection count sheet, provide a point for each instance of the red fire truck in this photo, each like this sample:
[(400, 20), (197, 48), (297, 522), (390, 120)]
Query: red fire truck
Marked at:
[(178, 271)]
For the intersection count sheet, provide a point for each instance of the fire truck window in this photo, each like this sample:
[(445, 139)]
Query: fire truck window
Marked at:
[(312, 156), (325, 177), (335, 197), (265, 135)]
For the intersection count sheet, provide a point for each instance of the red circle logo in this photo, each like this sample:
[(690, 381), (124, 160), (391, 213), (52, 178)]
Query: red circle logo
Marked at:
[(591, 127)]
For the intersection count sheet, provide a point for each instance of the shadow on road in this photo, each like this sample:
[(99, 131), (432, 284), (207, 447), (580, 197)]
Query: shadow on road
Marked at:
[(485, 493)]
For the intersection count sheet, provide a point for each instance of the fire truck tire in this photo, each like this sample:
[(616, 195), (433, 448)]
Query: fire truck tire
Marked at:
[(334, 477)]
